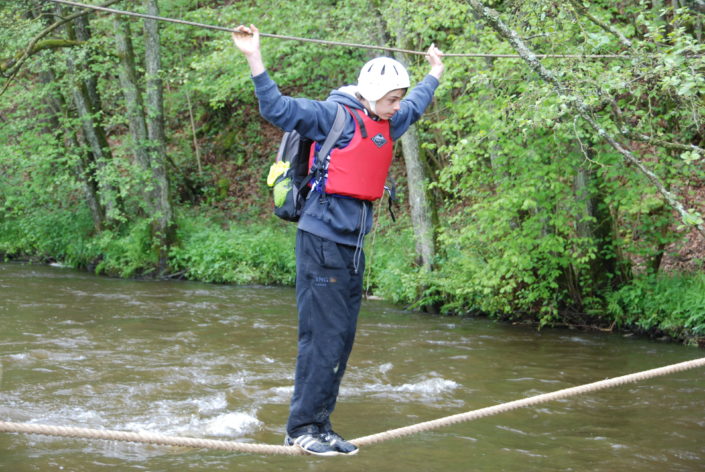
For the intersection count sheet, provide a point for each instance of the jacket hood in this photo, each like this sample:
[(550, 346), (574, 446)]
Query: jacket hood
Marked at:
[(346, 96)]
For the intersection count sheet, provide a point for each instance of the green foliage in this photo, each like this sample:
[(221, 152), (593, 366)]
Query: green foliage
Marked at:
[(538, 216), (673, 304), (543, 215), (126, 252), (391, 271), (312, 70), (253, 254), (48, 235)]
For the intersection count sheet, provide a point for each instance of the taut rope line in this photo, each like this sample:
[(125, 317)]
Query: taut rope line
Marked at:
[(338, 43), (535, 400), (153, 438), (147, 438)]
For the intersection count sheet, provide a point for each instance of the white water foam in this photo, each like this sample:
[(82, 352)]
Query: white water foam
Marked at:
[(384, 368), (279, 394), (212, 404), (426, 390), (429, 386), (232, 424)]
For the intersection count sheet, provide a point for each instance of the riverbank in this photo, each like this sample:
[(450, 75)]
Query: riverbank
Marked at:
[(669, 306)]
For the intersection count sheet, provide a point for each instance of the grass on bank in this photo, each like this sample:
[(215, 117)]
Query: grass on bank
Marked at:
[(263, 253)]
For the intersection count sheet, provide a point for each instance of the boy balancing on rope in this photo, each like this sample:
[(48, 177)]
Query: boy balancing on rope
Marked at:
[(335, 219)]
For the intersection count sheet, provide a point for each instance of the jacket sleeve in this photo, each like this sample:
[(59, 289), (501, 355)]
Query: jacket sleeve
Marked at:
[(413, 106), (311, 118)]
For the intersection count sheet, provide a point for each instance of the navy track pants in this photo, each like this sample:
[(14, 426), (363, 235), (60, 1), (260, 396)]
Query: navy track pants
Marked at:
[(328, 297)]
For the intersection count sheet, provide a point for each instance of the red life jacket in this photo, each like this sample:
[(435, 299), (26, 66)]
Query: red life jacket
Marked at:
[(360, 169)]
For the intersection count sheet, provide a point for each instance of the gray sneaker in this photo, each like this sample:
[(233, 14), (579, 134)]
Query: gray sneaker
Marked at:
[(340, 444), (314, 444)]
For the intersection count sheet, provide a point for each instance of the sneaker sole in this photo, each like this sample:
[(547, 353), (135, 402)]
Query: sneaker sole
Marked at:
[(321, 454)]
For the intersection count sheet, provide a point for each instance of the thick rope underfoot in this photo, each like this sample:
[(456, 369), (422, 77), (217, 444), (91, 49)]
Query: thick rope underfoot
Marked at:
[(148, 438), (251, 448), (535, 400)]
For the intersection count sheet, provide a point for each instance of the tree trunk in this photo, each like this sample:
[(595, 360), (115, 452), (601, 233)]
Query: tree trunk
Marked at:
[(163, 226), (85, 165), (94, 159), (595, 222), (421, 209), (83, 34), (56, 106), (133, 99), (423, 212), (102, 197), (147, 129), (90, 186)]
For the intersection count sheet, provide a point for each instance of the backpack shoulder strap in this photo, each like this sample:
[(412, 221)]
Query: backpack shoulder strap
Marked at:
[(334, 133), (282, 145)]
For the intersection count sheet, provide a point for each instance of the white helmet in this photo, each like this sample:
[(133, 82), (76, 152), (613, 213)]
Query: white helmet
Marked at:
[(381, 75)]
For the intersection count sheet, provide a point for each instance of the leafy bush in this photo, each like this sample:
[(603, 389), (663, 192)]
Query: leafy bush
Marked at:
[(126, 252), (674, 304), (391, 272), (48, 234), (242, 254)]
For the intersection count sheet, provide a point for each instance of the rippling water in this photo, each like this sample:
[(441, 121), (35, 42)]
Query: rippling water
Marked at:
[(217, 361)]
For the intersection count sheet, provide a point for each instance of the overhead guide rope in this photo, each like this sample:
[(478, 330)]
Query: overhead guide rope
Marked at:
[(153, 438), (337, 43)]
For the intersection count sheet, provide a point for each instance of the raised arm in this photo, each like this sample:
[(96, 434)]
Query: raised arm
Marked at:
[(247, 41)]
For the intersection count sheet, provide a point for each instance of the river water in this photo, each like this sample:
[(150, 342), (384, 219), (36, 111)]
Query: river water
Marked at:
[(215, 361)]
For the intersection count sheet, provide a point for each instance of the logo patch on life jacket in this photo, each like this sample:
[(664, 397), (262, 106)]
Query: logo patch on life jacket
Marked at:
[(379, 140)]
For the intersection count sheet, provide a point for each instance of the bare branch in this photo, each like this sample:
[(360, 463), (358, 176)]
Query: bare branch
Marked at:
[(492, 18), (662, 143), (580, 8), (11, 68), (646, 138), (39, 46)]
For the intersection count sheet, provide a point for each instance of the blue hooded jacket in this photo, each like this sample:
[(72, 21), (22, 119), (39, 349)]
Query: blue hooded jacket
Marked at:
[(343, 220)]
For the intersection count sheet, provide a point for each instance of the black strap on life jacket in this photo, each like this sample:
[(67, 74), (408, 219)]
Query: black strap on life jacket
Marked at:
[(360, 123)]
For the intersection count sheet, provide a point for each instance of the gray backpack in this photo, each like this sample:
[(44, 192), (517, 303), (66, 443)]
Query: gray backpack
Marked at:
[(289, 176)]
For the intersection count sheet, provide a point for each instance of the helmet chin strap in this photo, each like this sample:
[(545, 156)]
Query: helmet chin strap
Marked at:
[(368, 103)]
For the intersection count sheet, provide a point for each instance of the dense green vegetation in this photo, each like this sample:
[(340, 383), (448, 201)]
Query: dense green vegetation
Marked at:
[(538, 217)]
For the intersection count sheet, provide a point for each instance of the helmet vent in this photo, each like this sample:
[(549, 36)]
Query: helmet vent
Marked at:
[(381, 75)]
